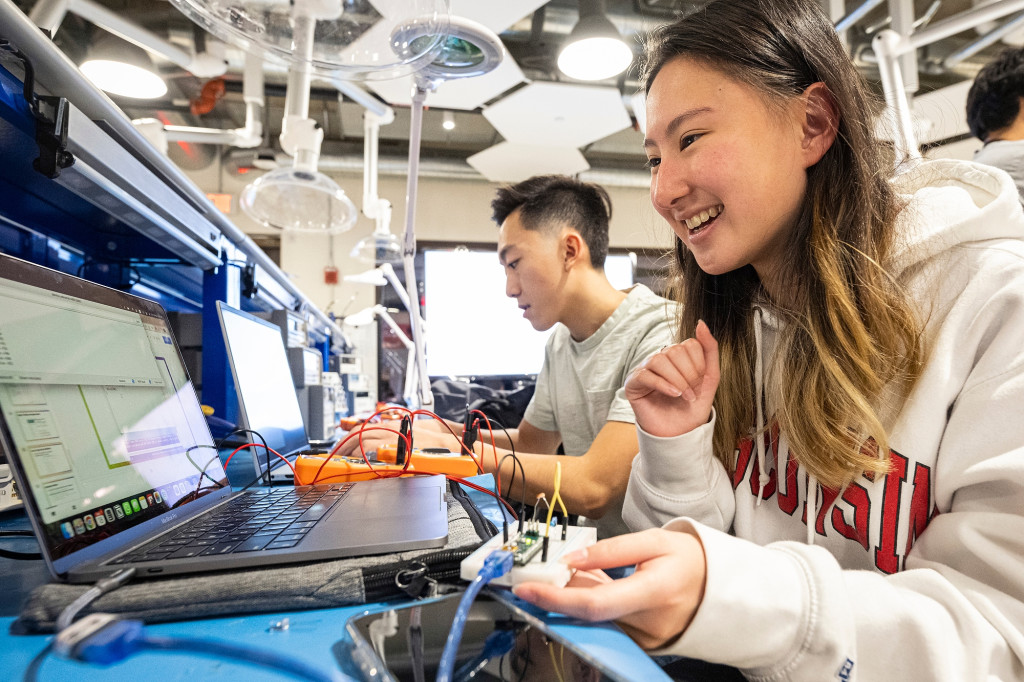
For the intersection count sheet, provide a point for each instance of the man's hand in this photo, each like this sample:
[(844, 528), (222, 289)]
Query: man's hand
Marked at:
[(672, 391), (427, 433), (654, 605)]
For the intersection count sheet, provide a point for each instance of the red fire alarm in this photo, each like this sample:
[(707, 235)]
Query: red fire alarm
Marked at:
[(330, 274)]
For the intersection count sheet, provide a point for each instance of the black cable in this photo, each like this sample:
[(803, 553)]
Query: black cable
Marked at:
[(202, 471), (18, 556)]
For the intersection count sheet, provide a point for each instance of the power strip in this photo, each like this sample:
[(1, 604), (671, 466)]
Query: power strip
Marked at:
[(528, 566)]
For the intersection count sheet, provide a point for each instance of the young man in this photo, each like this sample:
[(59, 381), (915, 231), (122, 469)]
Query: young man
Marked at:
[(552, 242), (995, 115)]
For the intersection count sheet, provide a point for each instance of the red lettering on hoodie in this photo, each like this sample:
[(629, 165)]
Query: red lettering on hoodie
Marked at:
[(789, 500), (743, 452), (922, 493), (886, 559), (860, 504)]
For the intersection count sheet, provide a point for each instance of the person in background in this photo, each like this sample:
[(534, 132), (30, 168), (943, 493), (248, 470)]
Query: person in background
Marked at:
[(995, 115), (552, 243), (835, 452)]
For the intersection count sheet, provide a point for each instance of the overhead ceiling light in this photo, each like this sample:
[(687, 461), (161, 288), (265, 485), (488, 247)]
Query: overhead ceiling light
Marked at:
[(594, 50), (448, 121), (121, 68)]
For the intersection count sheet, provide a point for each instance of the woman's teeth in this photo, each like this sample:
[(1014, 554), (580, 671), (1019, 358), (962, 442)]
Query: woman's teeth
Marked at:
[(693, 224)]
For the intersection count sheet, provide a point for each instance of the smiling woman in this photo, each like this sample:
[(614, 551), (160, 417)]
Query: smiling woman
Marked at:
[(849, 331)]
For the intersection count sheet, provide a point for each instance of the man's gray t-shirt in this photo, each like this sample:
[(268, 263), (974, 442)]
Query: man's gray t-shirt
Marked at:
[(580, 386), (1007, 155)]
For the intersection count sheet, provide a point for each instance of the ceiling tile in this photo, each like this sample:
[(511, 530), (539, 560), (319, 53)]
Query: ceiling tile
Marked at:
[(559, 114), (466, 94), (508, 162)]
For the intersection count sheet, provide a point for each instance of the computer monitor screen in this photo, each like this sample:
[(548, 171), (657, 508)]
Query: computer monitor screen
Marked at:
[(475, 330), (263, 382)]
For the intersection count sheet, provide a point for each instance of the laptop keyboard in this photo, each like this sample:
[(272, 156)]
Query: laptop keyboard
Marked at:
[(261, 519)]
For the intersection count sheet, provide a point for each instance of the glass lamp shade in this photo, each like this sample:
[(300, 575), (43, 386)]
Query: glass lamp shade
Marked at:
[(299, 201), (121, 68), (467, 48), (379, 247), (352, 40), (594, 50)]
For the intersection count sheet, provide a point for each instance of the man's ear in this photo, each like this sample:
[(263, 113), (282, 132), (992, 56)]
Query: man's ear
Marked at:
[(573, 248), (820, 124)]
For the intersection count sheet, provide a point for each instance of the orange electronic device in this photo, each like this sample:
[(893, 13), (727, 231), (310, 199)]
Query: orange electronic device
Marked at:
[(337, 470), (435, 461)]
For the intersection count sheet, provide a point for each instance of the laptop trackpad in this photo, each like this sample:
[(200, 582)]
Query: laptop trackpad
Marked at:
[(368, 502)]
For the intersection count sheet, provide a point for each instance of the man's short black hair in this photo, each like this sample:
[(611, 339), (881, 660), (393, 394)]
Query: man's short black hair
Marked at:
[(547, 202), (993, 101)]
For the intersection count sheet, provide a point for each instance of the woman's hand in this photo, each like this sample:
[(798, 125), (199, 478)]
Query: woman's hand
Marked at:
[(672, 391), (654, 605)]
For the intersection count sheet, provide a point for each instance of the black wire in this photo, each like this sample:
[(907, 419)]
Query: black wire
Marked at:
[(18, 556), (515, 460), (266, 450), (202, 471)]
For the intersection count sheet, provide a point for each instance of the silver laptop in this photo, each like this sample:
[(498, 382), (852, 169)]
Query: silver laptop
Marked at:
[(267, 401), (108, 444)]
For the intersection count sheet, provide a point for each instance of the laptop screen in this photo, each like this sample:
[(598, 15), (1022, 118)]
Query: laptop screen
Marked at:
[(263, 381), (97, 404)]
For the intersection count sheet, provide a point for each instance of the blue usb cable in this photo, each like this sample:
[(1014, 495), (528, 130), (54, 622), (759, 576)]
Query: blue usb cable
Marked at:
[(497, 564)]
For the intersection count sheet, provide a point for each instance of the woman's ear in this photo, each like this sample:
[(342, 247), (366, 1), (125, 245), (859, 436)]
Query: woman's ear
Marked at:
[(820, 122)]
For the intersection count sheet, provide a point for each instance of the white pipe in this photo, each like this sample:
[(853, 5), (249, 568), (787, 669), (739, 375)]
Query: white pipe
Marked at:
[(409, 242), (48, 14), (960, 22), (886, 44), (390, 276), (984, 41), (363, 98), (857, 14), (246, 137)]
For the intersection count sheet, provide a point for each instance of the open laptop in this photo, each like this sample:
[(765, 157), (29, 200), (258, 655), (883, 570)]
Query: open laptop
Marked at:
[(115, 463), (267, 402)]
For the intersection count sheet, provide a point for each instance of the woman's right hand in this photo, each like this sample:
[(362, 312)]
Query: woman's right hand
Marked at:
[(672, 391)]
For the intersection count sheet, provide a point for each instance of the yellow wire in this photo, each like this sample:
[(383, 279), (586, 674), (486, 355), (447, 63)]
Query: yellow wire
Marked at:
[(554, 661), (556, 497)]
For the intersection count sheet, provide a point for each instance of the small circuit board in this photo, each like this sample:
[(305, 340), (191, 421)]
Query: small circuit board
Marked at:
[(529, 562)]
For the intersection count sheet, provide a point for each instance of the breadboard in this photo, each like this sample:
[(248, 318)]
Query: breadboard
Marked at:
[(527, 549)]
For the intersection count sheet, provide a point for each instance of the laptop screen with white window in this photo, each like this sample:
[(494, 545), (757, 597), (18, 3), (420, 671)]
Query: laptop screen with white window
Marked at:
[(107, 427)]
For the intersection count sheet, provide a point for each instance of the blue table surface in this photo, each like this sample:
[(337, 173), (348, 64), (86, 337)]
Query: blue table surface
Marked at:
[(317, 637)]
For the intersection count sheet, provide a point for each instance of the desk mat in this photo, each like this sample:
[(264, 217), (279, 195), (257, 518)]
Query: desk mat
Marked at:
[(315, 585)]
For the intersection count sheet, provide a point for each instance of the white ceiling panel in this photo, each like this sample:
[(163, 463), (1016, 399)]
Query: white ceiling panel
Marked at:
[(559, 114), (508, 162)]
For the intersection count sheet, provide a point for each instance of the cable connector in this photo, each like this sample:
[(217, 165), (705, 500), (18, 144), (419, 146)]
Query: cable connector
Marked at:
[(99, 638), (497, 564)]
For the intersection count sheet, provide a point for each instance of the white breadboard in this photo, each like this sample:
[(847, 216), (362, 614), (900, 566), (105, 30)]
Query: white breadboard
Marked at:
[(535, 570)]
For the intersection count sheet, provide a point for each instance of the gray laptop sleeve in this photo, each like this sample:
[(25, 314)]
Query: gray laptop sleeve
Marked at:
[(318, 585)]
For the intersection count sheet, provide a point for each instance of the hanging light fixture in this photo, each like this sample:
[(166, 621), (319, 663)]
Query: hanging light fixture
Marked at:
[(448, 121), (121, 68), (594, 50), (300, 198)]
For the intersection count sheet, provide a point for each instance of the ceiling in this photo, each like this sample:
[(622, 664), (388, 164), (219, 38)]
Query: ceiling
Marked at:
[(531, 41)]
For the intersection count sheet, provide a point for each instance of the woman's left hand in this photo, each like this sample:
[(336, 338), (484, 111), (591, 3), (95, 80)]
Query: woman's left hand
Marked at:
[(654, 605)]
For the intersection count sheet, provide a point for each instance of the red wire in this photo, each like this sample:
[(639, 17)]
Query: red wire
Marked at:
[(494, 448), (259, 445), (367, 426)]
